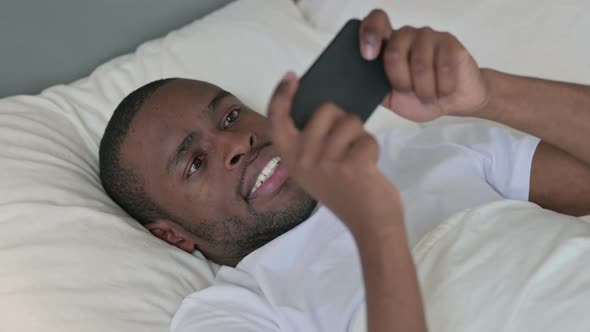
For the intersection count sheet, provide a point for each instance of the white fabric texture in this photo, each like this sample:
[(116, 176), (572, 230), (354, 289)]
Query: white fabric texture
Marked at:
[(310, 278), (508, 266), (505, 266), (70, 259)]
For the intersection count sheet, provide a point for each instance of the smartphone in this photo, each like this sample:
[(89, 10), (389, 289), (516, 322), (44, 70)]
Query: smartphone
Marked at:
[(341, 75)]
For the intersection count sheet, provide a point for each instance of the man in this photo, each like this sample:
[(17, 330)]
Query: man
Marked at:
[(203, 172)]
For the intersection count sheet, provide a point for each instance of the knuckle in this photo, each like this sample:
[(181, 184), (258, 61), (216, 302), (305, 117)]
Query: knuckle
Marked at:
[(446, 35), (420, 64), (378, 12), (373, 153), (392, 54), (326, 110), (371, 140), (462, 53), (368, 141), (450, 38), (427, 30), (321, 109), (406, 29), (353, 122), (445, 67)]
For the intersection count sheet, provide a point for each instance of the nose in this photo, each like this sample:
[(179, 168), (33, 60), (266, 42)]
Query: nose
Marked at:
[(236, 148)]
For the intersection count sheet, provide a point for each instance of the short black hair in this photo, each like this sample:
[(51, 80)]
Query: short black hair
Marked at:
[(123, 185)]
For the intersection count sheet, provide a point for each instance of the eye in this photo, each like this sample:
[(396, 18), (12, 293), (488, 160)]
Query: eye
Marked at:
[(231, 117), (195, 165)]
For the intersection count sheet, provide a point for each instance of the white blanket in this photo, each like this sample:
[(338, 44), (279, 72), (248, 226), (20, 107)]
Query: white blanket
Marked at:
[(507, 266)]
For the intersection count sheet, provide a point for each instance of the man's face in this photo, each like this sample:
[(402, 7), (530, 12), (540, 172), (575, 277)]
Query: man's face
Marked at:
[(201, 154)]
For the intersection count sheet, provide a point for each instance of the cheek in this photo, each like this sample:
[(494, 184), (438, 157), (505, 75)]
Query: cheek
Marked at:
[(259, 124), (211, 201)]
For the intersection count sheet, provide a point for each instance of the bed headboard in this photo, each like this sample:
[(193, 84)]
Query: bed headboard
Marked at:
[(50, 42)]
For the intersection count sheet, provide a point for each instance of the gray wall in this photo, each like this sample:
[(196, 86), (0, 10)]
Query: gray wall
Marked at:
[(45, 42)]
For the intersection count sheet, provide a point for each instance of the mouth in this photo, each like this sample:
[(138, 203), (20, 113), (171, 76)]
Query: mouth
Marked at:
[(267, 176)]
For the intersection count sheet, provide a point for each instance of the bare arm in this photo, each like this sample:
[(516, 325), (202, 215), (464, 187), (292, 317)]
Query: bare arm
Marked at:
[(556, 112), (393, 295), (559, 114), (334, 159)]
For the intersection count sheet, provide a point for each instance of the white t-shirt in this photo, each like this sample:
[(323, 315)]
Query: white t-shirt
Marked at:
[(310, 278)]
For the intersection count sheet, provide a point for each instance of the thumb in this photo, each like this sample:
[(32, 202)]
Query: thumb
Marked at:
[(282, 128), (375, 29)]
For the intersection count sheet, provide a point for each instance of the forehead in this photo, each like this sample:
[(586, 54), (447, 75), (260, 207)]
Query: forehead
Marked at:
[(178, 105), (178, 96)]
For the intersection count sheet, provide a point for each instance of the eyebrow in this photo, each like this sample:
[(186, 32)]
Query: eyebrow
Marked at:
[(182, 148), (216, 101)]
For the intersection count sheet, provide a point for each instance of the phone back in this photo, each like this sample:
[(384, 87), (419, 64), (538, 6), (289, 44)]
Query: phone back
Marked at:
[(340, 75)]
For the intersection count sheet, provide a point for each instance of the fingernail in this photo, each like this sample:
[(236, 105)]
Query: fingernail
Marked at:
[(370, 37), (369, 52), (370, 46)]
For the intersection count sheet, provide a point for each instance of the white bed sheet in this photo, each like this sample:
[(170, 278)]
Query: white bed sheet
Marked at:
[(506, 266)]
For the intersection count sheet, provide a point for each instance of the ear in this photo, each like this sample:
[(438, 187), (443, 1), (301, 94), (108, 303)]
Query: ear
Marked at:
[(174, 234)]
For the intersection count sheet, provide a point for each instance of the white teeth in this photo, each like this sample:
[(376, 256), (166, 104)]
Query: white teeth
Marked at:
[(266, 172)]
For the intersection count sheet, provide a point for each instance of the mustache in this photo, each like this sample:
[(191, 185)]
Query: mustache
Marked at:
[(255, 151)]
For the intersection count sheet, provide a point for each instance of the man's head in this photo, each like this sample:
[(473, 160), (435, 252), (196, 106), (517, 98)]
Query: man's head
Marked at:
[(183, 157)]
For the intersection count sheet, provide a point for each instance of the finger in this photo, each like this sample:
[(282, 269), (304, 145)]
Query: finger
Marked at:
[(447, 58), (315, 132), (375, 28), (395, 59), (345, 132), (364, 148), (282, 128), (422, 65)]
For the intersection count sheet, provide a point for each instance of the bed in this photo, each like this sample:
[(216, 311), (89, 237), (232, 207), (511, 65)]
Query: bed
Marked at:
[(71, 260)]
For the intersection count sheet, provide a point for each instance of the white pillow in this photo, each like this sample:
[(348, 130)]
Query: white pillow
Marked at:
[(544, 38), (506, 266), (70, 259)]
